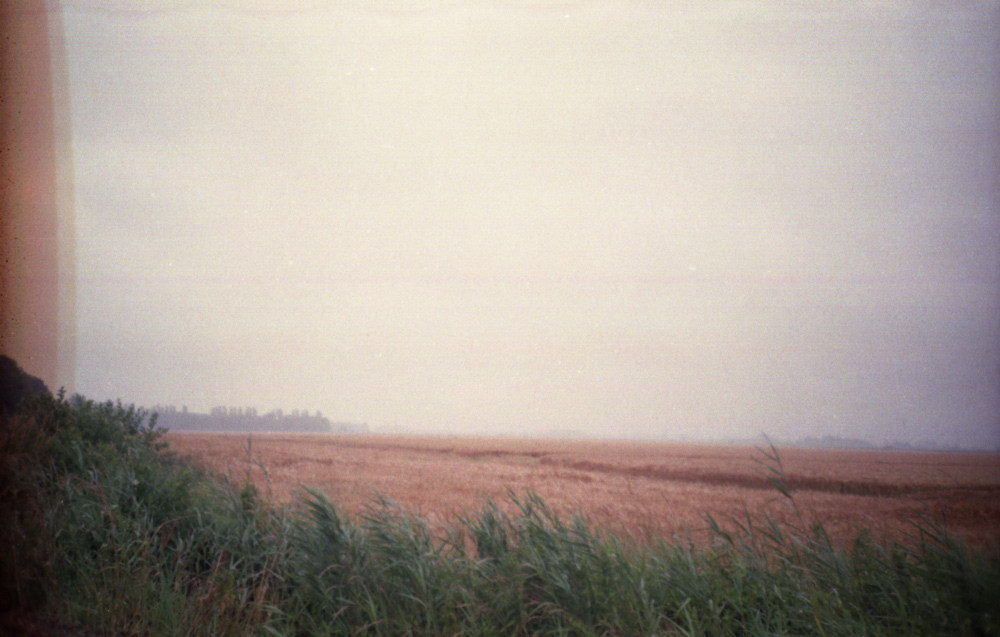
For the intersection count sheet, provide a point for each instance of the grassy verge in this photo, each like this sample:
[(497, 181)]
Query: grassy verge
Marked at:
[(111, 532)]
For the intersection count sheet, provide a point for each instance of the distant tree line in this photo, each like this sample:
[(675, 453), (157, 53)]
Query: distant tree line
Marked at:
[(246, 419), (837, 442)]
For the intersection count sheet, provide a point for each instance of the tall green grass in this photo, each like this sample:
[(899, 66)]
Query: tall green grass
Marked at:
[(111, 532)]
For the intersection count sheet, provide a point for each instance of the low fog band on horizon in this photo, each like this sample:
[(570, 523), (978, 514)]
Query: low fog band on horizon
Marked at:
[(620, 219)]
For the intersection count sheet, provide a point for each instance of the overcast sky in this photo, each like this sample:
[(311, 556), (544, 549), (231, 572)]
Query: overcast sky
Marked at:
[(620, 218)]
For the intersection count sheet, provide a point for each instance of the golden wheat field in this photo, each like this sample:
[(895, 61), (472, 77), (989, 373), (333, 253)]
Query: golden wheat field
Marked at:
[(636, 489)]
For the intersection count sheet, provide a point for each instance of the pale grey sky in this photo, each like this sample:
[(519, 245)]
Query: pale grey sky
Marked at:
[(622, 218)]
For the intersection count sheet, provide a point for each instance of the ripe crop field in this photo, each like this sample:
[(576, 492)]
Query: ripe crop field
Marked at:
[(639, 490)]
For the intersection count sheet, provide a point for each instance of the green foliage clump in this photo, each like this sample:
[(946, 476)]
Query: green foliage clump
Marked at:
[(111, 532), (532, 573), (114, 533)]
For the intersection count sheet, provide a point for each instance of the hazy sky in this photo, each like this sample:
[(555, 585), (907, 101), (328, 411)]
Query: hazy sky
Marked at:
[(621, 218)]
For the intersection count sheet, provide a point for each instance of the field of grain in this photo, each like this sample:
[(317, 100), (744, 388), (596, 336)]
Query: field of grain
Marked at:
[(637, 489)]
